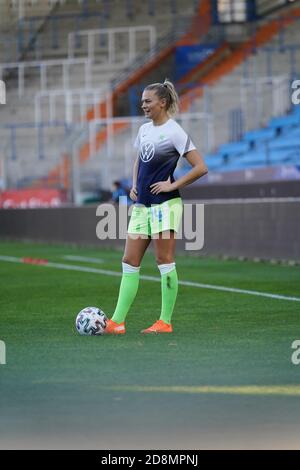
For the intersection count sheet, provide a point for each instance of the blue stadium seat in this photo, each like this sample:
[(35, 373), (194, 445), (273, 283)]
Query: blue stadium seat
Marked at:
[(279, 143), (234, 148), (285, 121), (215, 164), (292, 132), (285, 142), (260, 134), (253, 156), (296, 109)]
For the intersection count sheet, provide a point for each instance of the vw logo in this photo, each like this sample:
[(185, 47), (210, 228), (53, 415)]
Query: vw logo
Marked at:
[(147, 151)]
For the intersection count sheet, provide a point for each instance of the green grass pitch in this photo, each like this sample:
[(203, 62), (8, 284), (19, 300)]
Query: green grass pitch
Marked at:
[(224, 379)]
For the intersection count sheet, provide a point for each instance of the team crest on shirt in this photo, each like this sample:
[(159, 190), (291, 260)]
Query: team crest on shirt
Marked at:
[(147, 151)]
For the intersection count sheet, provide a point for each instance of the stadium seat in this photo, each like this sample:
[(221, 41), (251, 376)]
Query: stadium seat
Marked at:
[(285, 142), (259, 135), (234, 148), (285, 121)]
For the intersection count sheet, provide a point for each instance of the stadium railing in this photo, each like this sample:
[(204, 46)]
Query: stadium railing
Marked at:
[(73, 104), (28, 27), (43, 67), (107, 36), (12, 129), (24, 7), (289, 51)]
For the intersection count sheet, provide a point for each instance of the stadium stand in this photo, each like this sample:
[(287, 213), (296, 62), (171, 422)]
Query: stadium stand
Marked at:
[(47, 66), (232, 100), (276, 143)]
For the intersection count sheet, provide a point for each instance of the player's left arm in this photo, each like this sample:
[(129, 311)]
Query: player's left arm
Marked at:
[(198, 169)]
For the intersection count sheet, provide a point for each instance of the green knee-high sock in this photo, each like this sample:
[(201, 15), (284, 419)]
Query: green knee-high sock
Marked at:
[(128, 289), (169, 289)]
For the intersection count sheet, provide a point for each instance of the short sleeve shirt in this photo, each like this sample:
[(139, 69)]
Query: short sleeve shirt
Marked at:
[(159, 149)]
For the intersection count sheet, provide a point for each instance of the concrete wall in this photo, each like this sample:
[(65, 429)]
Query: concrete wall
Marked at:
[(236, 190), (4, 13), (267, 230)]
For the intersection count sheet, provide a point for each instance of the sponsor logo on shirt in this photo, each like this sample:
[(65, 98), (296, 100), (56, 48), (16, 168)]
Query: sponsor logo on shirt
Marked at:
[(147, 151)]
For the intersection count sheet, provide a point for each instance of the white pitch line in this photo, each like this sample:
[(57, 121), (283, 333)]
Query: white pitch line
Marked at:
[(83, 258), (11, 259), (106, 272)]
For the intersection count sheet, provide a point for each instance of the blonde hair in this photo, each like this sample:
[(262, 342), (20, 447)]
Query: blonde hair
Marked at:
[(166, 91)]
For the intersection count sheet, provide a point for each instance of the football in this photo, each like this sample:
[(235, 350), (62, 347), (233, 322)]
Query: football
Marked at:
[(91, 321)]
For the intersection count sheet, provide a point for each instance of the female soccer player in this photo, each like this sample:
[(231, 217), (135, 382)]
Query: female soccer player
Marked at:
[(157, 213)]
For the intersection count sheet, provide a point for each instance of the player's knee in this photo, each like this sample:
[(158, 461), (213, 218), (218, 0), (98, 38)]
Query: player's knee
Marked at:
[(164, 259), (131, 261)]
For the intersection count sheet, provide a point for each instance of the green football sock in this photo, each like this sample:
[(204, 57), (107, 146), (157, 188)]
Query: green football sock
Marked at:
[(169, 289), (128, 289)]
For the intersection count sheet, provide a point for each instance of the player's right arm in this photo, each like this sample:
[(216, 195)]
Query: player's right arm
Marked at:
[(133, 191)]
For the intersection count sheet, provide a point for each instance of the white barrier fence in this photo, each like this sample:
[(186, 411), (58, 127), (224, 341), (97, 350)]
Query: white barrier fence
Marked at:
[(70, 105), (43, 72), (110, 39)]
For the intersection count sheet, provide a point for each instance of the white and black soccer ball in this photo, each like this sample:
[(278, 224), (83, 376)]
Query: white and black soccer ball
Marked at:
[(91, 321)]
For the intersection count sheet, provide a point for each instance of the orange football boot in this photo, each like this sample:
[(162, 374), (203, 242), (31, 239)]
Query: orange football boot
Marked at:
[(158, 327), (113, 328)]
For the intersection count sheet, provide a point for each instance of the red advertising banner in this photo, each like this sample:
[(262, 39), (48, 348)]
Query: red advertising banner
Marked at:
[(31, 198)]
